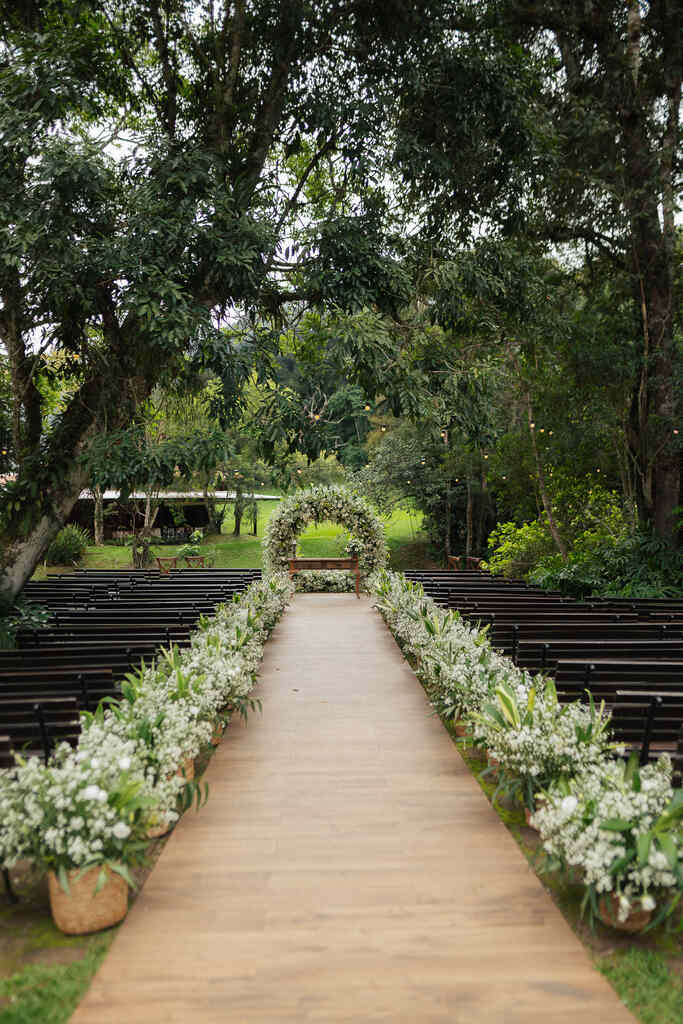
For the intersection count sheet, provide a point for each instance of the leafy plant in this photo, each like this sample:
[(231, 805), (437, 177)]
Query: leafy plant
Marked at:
[(68, 547), (636, 565), (21, 616)]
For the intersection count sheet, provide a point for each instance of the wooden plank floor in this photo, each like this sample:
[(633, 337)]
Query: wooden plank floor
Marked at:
[(346, 867)]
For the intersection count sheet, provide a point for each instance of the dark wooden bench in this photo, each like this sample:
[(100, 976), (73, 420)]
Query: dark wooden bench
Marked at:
[(35, 725), (348, 564), (542, 655)]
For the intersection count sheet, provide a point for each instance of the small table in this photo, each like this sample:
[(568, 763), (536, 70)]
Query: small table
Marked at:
[(349, 564)]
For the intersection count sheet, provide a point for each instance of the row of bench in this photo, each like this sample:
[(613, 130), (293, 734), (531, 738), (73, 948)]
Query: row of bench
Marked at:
[(627, 652), (102, 625)]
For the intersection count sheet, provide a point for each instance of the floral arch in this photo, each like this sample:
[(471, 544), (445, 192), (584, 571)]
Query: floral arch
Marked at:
[(314, 505)]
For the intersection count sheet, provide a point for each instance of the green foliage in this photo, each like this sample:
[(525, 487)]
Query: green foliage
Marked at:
[(21, 616), (519, 549), (634, 565), (68, 547)]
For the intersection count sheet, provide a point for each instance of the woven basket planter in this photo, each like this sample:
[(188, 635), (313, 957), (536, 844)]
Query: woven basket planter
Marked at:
[(186, 770), (82, 910), (157, 831), (608, 912), (218, 731)]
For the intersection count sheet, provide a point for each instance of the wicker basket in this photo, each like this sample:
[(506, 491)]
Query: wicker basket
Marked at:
[(608, 912), (186, 769), (157, 831), (82, 910), (218, 731)]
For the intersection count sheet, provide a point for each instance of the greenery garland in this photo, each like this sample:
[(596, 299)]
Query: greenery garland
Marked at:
[(315, 505)]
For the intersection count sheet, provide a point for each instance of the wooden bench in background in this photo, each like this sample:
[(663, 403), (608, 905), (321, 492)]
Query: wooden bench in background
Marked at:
[(456, 562), (349, 564), (167, 562)]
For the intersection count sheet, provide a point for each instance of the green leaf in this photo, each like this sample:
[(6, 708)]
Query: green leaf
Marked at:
[(643, 847), (63, 879), (669, 849), (616, 825), (122, 870)]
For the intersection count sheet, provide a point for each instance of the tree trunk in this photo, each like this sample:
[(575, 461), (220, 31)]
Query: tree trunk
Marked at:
[(540, 475), (239, 512), (98, 517), (468, 520), (22, 555)]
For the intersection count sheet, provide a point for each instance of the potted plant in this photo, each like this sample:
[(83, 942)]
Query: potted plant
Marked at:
[(535, 740), (621, 827), (90, 823)]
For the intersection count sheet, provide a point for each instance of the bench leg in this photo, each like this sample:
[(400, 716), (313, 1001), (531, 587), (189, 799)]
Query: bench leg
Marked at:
[(358, 585)]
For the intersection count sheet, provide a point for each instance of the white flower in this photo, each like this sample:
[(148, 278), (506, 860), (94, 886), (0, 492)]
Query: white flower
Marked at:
[(76, 823), (92, 793), (124, 763), (658, 860), (121, 830), (648, 902), (569, 804)]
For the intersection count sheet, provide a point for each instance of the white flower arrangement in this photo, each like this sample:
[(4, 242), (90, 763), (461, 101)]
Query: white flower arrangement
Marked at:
[(75, 813), (122, 776), (315, 505), (319, 581), (620, 825), (536, 740)]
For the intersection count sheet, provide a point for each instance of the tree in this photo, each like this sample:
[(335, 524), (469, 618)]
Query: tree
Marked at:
[(147, 191), (580, 146)]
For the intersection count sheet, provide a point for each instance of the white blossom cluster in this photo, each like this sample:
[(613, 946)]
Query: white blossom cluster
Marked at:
[(94, 804), (611, 822), (79, 811), (320, 581), (541, 739), (315, 505), (454, 661)]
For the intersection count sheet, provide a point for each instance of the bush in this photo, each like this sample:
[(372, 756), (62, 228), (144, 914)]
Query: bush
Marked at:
[(68, 547), (21, 616), (519, 549), (638, 564)]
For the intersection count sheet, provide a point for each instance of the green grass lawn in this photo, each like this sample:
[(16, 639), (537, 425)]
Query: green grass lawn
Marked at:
[(406, 543)]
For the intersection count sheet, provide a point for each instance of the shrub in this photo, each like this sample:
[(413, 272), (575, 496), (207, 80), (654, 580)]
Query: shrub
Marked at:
[(635, 565), (518, 549), (68, 547)]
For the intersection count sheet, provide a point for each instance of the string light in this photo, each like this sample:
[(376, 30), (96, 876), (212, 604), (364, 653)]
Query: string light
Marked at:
[(383, 428), (532, 425)]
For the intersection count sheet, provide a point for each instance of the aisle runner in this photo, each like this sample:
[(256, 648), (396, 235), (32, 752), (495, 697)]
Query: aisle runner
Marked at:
[(346, 867)]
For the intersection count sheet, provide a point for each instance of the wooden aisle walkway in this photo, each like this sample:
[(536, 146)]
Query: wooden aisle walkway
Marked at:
[(346, 867)]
